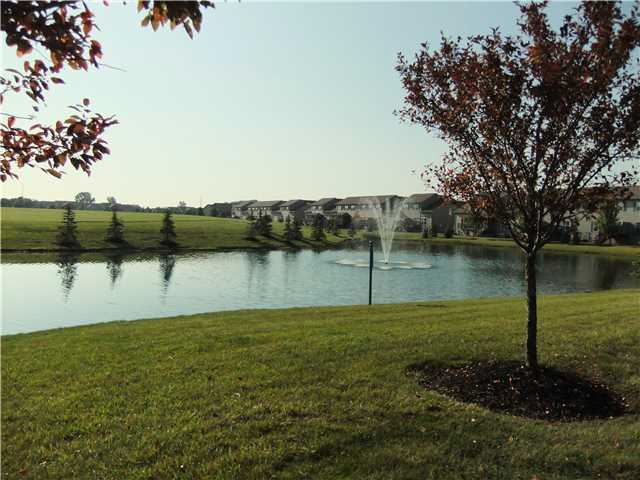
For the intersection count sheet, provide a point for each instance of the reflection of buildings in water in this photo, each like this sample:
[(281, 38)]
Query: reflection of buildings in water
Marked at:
[(167, 264), (68, 270), (257, 262), (114, 267), (289, 257)]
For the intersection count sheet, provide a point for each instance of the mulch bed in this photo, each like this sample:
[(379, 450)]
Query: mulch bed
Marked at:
[(512, 388)]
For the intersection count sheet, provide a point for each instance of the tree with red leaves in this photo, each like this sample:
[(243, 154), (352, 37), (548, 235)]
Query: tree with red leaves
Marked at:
[(540, 126), (64, 30)]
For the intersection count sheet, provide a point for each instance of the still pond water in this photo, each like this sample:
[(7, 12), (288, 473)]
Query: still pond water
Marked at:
[(74, 291)]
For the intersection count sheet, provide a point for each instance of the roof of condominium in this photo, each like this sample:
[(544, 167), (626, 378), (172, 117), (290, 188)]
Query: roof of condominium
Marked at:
[(266, 204), (323, 201), (634, 192), (293, 203), (423, 198), (242, 203), (367, 200)]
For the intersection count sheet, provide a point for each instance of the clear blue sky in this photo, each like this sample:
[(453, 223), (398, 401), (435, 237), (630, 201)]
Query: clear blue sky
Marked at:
[(269, 101)]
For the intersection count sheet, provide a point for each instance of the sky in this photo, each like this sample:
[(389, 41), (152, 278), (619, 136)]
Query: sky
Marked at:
[(270, 101)]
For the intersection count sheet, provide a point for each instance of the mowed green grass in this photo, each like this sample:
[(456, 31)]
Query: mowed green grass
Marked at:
[(616, 250), (318, 393), (36, 229)]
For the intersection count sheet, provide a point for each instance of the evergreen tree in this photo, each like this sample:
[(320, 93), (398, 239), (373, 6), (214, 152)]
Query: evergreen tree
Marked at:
[(168, 231), (296, 229), (67, 232), (318, 228), (288, 230), (115, 232), (264, 225), (252, 230), (352, 230), (333, 226), (425, 232), (434, 230)]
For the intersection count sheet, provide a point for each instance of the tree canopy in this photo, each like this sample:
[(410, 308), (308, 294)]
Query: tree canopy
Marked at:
[(540, 126), (64, 30), (534, 123)]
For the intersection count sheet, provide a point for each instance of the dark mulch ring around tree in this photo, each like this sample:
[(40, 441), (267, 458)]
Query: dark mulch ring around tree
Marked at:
[(510, 387)]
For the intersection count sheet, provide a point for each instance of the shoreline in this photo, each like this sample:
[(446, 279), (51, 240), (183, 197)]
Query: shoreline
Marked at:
[(627, 251)]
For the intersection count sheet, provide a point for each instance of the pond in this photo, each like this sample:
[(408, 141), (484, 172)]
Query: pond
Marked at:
[(78, 290)]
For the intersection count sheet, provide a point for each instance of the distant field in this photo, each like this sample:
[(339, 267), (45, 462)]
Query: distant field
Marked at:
[(35, 229)]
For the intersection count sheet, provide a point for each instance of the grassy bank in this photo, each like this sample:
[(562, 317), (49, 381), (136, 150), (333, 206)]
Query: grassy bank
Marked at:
[(617, 250), (36, 229), (32, 229), (313, 393)]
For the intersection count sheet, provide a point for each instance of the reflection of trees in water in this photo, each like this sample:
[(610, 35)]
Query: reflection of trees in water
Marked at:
[(290, 256), (114, 267), (608, 275), (167, 264), (67, 264)]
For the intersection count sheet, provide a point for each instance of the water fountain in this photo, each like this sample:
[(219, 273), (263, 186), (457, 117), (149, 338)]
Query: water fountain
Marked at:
[(387, 217)]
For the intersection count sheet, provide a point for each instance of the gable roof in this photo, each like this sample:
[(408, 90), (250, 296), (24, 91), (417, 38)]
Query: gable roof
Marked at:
[(242, 203), (266, 204), (367, 200), (218, 205), (295, 202), (633, 192), (424, 198), (324, 201)]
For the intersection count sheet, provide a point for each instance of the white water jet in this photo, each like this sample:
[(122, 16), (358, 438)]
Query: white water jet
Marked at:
[(387, 217)]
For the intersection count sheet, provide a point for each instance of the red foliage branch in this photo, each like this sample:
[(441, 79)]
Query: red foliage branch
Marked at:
[(64, 29)]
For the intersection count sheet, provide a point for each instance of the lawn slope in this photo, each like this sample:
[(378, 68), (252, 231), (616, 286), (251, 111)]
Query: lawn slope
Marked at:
[(36, 229), (313, 393)]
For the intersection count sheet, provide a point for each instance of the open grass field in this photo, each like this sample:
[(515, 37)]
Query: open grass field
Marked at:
[(36, 229), (322, 393)]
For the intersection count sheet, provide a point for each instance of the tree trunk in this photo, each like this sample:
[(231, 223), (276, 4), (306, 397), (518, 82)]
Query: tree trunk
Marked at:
[(532, 312)]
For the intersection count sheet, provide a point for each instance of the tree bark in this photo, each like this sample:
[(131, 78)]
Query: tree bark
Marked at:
[(532, 312)]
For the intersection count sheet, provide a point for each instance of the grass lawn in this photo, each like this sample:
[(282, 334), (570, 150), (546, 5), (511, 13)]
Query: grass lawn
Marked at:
[(617, 250), (313, 393), (36, 229)]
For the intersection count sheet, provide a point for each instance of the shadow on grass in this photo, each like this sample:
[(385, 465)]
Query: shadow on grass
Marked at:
[(512, 388)]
